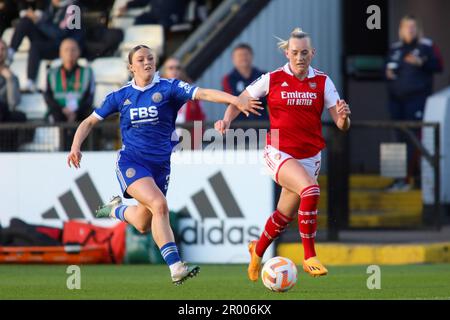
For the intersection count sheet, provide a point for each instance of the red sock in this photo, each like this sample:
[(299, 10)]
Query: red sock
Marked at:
[(307, 218), (275, 225)]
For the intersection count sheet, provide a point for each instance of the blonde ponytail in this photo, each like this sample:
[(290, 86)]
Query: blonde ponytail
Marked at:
[(297, 33)]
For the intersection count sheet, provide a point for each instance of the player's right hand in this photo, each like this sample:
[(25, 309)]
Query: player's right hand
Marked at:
[(249, 105), (222, 126), (74, 158)]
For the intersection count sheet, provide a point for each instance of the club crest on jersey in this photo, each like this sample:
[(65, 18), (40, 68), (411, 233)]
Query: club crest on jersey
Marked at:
[(312, 85), (277, 156), (157, 97), (130, 173)]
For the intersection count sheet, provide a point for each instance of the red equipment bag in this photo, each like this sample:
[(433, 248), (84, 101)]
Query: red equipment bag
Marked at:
[(112, 240)]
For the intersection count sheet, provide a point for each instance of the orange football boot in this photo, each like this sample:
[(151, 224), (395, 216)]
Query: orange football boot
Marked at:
[(254, 267), (314, 267)]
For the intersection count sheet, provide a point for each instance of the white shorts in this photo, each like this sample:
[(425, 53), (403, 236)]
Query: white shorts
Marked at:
[(275, 158)]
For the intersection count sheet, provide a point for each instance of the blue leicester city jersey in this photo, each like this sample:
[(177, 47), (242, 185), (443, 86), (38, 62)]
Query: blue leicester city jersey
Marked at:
[(147, 115)]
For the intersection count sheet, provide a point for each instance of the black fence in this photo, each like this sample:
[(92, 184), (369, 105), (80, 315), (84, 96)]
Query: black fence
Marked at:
[(356, 191), (46, 137)]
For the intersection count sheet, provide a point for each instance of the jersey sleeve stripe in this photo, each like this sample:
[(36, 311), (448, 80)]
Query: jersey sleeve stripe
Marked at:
[(194, 93), (95, 114)]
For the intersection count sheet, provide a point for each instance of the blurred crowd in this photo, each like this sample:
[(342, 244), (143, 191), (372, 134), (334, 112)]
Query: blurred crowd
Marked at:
[(70, 84), (49, 26)]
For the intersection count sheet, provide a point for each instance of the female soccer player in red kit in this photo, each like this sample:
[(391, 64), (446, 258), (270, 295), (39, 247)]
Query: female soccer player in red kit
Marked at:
[(296, 96)]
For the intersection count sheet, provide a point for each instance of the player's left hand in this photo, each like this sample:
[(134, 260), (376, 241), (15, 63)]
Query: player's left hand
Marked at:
[(343, 109), (222, 126), (74, 158), (249, 105)]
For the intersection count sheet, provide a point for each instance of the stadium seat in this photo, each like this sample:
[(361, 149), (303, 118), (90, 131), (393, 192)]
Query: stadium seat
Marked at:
[(151, 35), (122, 22), (7, 36), (33, 105), (133, 12), (181, 27), (101, 91), (127, 20), (19, 68), (110, 70), (45, 139)]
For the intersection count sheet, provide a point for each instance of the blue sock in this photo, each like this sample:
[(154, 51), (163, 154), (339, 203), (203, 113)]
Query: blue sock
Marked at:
[(169, 252), (119, 212)]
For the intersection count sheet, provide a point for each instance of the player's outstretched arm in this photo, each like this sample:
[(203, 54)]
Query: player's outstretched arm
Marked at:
[(244, 104), (82, 132), (341, 115)]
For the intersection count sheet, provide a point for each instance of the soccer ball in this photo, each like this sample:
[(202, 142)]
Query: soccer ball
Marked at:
[(279, 274)]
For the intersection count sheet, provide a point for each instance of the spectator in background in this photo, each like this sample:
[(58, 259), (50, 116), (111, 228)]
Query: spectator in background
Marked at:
[(411, 63), (163, 12), (8, 12), (9, 99), (33, 9), (45, 33), (192, 109), (9, 90), (70, 87), (99, 39), (243, 74)]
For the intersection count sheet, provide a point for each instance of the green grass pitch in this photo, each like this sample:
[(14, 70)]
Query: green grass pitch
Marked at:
[(218, 282)]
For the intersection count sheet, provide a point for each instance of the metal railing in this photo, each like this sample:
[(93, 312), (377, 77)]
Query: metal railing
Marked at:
[(216, 33), (46, 137)]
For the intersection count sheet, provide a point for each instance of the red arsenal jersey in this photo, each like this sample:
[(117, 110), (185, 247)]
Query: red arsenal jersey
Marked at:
[(295, 109)]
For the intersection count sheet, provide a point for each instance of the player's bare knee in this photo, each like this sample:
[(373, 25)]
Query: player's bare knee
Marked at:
[(142, 229), (159, 207), (308, 183)]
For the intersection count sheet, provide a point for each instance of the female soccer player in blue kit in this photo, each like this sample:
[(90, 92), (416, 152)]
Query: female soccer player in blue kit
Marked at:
[(148, 106)]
